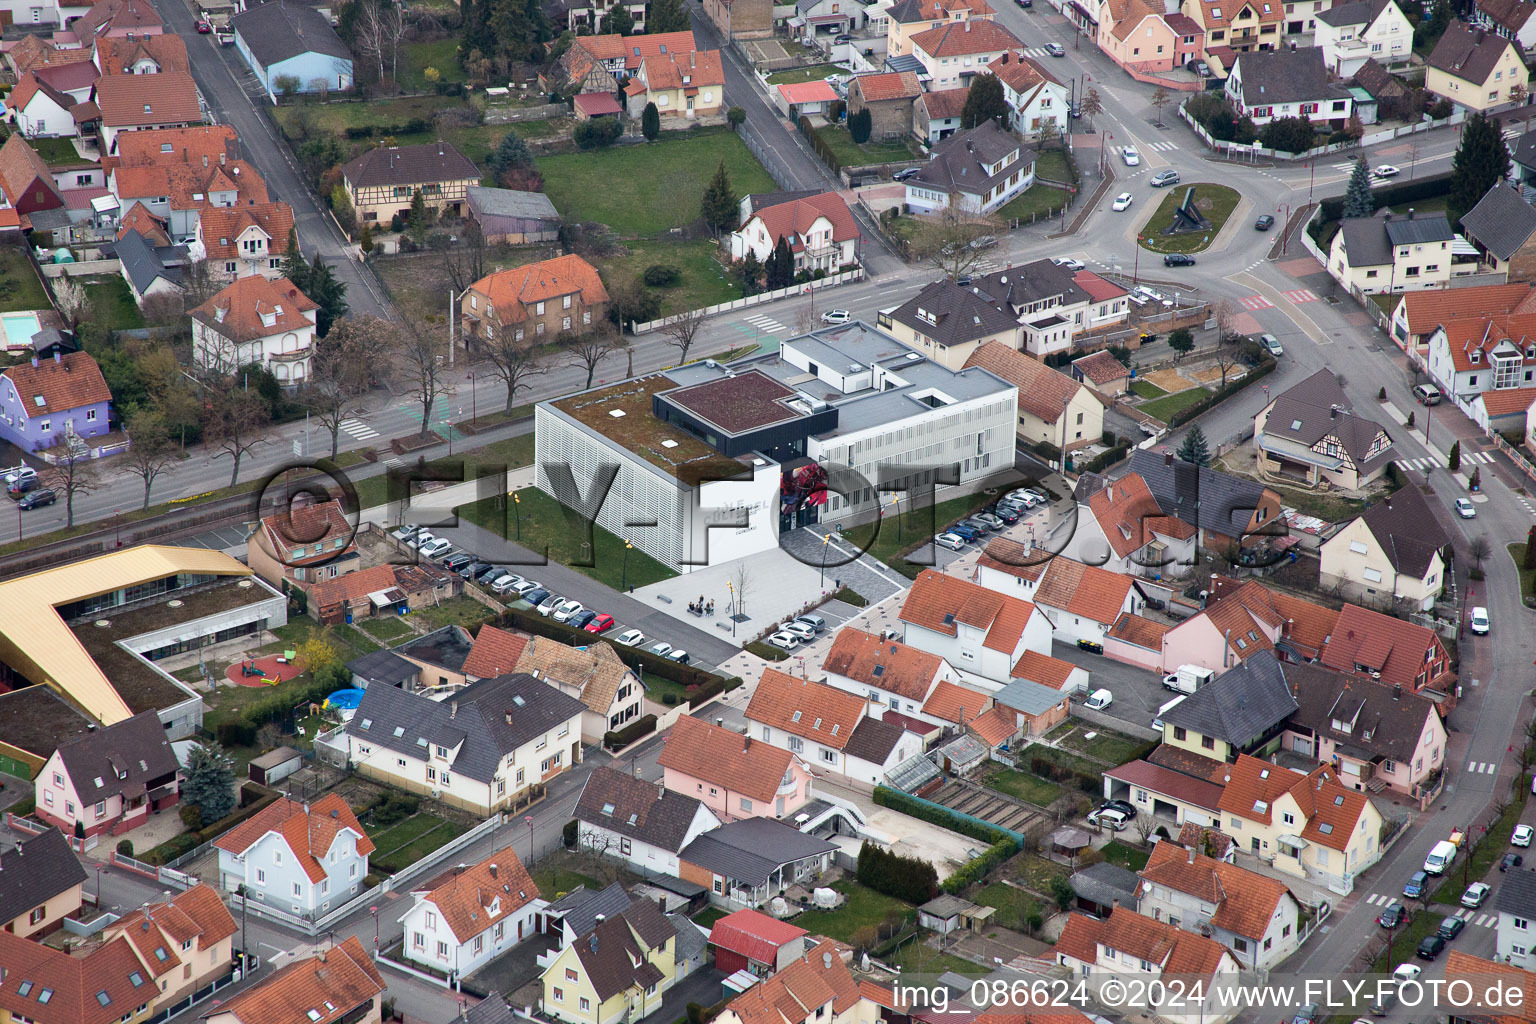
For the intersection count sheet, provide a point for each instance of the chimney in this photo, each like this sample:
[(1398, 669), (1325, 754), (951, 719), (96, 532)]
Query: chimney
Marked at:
[(221, 159), (720, 722), (493, 870), (1167, 458), (453, 710), (58, 357), (205, 161), (1397, 691), (306, 808), (509, 717), (1191, 854), (34, 362)]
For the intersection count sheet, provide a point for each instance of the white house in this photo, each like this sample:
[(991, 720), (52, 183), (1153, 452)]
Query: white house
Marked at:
[(1255, 915), (827, 728), (299, 858), (886, 672), (244, 240), (641, 822), (1471, 355), (984, 167), (39, 109), (598, 677), (1393, 547), (254, 320), (955, 52), (1081, 601), (1267, 84), (819, 230), (292, 45), (1121, 528), (1516, 904), (472, 914), (1349, 34), (977, 630), (1036, 100)]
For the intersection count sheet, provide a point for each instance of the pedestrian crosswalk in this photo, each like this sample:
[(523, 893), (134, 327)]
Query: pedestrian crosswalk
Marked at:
[(1429, 462), (1301, 295), (1037, 52), (1512, 133), (1255, 302), (1478, 458), (764, 324), (359, 429), (1163, 147), (1474, 918), (1482, 768), (1422, 465)]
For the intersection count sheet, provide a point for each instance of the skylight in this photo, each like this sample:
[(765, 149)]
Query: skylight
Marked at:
[(399, 730), (795, 717), (103, 998), (1338, 801), (330, 1006), (949, 618), (1264, 774), (1325, 828), (879, 671), (161, 954), (312, 1014), (45, 995), (1295, 424), (1260, 806), (136, 978), (25, 989), (608, 809), (816, 724), (367, 723), (518, 700)]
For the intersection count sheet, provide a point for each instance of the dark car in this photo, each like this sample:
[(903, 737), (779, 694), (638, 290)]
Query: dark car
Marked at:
[(1307, 1014), (19, 487), (1416, 884), (1123, 806), (1264, 223), (1026, 3), (1005, 513), (1393, 916), (905, 173), (964, 532), (1430, 947), (1450, 928), (473, 570), (1511, 860), (581, 618), (43, 496), (536, 597), (455, 562), (490, 572), (1178, 259)]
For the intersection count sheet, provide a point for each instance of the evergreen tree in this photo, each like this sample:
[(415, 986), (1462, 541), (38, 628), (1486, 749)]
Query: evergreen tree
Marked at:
[(1357, 198), (984, 101), (860, 125), (780, 266), (209, 781), (477, 28), (1481, 162), (329, 293), (420, 218), (511, 152), (1195, 448), (620, 22), (667, 16), (650, 122), (720, 207), (751, 274), (294, 267), (365, 238), (1454, 462)]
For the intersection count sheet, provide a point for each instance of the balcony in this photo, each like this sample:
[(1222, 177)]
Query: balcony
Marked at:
[(297, 355)]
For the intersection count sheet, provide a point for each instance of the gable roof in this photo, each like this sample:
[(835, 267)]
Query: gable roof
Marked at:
[(750, 849), (1378, 81), (955, 703), (495, 652), (909, 11), (1360, 12), (1407, 529), (116, 55), (21, 169), (237, 309), (1086, 590), (472, 899), (793, 219), (1139, 631), (1157, 778), (1238, 706), (510, 290), (408, 579), (692, 70), (32, 85), (49, 986), (219, 228), (1517, 894), (1246, 901), (1044, 391), (1130, 517), (817, 978), (307, 829), (486, 720), (34, 870), (958, 164), (1270, 77), (425, 164), (596, 673), (996, 725), (70, 381), (216, 143), (507, 202), (873, 740), (942, 104), (1212, 500), (614, 956), (317, 990), (139, 220), (274, 32), (1330, 811), (1175, 951), (1304, 626), (158, 928), (958, 38), (33, 51), (1316, 408), (1381, 721), (1021, 72), (754, 935), (1468, 54), (1508, 14), (632, 807), (942, 603), (1502, 221), (127, 101), (952, 315), (120, 759), (142, 262), (710, 753), (1101, 367), (889, 85), (887, 664), (1035, 667), (297, 527), (1399, 651), (634, 49)]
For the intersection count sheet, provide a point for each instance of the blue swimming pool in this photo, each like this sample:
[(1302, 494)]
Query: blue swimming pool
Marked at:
[(19, 328)]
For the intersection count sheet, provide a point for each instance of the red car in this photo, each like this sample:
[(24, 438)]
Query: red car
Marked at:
[(601, 624), (203, 28)]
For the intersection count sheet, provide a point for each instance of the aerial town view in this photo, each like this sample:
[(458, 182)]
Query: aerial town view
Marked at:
[(736, 512)]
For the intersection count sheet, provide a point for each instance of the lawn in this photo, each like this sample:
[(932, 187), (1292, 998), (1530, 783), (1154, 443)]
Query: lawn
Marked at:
[(336, 118), (864, 908), (643, 191), (1036, 872), (814, 73), (1024, 786), (512, 452), (360, 642), (1013, 905), (112, 302), (386, 631), (657, 688), (708, 916), (889, 535), (1331, 507), (1494, 845), (554, 881), (703, 283), (851, 154), (442, 54), (20, 287), (545, 526), (1405, 940), (1216, 202), (398, 857), (457, 611), (56, 152), (916, 957), (408, 831), (1146, 389), (1127, 857), (1054, 164), (1113, 748), (1062, 757), (1164, 408), (1527, 577), (1034, 203)]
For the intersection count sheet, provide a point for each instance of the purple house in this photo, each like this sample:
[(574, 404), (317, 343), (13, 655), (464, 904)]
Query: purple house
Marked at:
[(49, 400)]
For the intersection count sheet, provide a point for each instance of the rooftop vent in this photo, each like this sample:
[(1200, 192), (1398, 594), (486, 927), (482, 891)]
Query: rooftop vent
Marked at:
[(617, 414)]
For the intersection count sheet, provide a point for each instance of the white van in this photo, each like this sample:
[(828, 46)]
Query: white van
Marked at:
[(1157, 723), (1440, 857)]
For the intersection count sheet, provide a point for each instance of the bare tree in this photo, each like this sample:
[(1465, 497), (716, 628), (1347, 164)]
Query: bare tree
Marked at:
[(420, 368), (152, 450), (591, 348), (1160, 100), (944, 239), (74, 473), (167, 309), (465, 263), (335, 390), (741, 584), (71, 302), (235, 422), (513, 360), (199, 282), (1091, 106), (366, 343), (368, 34), (682, 331), (1229, 353), (1226, 313), (1478, 547)]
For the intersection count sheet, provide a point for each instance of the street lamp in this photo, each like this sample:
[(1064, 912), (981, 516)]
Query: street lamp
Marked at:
[(826, 538), (624, 583), (731, 587), (474, 405), (517, 514), (375, 912), (528, 820)]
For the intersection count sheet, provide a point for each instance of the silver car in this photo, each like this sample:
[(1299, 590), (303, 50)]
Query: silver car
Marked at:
[(549, 604), (799, 629)]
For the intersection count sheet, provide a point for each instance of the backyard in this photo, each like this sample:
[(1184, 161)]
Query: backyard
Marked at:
[(1112, 748), (20, 287), (865, 908), (442, 54), (1033, 203), (1053, 164), (644, 191), (703, 281), (1215, 203), (1169, 405), (112, 302), (852, 154), (814, 73), (1022, 786), (1014, 906), (400, 845)]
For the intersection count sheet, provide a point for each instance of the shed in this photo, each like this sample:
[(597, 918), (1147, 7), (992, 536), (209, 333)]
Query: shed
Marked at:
[(275, 765), (962, 755), (383, 667), (513, 217), (1099, 887), (595, 104), (949, 914)]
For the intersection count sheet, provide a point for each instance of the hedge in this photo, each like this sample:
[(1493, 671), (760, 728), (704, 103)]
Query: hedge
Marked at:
[(848, 595), (617, 738), (765, 651), (698, 695), (978, 868), (1106, 458), (1393, 195), (1265, 368), (922, 810), (905, 878)]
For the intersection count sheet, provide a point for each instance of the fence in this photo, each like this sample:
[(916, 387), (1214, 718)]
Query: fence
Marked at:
[(843, 277), (158, 873), (85, 268), (1258, 152)]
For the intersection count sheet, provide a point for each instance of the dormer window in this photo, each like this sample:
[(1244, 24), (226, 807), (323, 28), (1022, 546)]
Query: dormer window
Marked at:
[(1476, 356)]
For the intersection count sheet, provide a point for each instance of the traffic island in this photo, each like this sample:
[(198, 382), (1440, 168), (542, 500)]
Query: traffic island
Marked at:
[(1189, 218)]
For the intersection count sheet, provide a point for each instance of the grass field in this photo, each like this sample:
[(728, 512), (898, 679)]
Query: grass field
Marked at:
[(457, 611), (916, 957), (1037, 872), (1114, 748), (111, 300), (1125, 856), (703, 283), (554, 880), (511, 452), (1146, 389), (548, 527), (1420, 924), (1024, 786), (643, 191), (20, 287), (1033, 203), (1054, 164), (1216, 202), (56, 152), (1164, 408), (1013, 905), (851, 154), (385, 631), (865, 907), (814, 73), (401, 847), (441, 54)]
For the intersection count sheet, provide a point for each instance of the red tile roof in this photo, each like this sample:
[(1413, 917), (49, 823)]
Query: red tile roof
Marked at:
[(1021, 73), (116, 55), (1156, 779), (77, 984), (995, 727), (1130, 517), (1171, 949), (308, 832), (634, 49), (1044, 391), (1098, 289), (196, 914), (316, 990), (958, 38), (472, 899), (800, 707), (1304, 624), (237, 310), (1140, 632), (1015, 559), (955, 703), (668, 70), (789, 995), (1507, 401), (1331, 812), (942, 603), (792, 220), (220, 228), (71, 381), (1101, 367), (127, 101), (320, 524), (1084, 590), (29, 87), (710, 753), (1246, 901), (509, 291), (1425, 310), (887, 664), (807, 92), (892, 85), (754, 935), (596, 104), (943, 103), (1043, 669), (1404, 654), (187, 145), (145, 223), (494, 652)]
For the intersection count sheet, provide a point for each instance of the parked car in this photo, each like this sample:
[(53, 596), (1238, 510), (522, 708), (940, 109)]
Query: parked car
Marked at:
[(405, 532), (681, 657), (1415, 885), (1465, 508), (981, 526), (1123, 806), (1162, 178), (1386, 171), (1272, 345), (1178, 259), (1407, 972), (662, 649), (547, 606), (905, 173), (1522, 835), (1426, 394), (1122, 202), (455, 562), (1430, 946), (37, 499), (631, 638), (435, 548), (1510, 860), (1476, 893), (535, 597), (490, 573), (784, 641), (1026, 4), (502, 582), (1055, 49), (989, 520), (1451, 927), (1392, 915), (1264, 223), (970, 533), (1098, 700), (526, 588), (1068, 263), (1007, 513), (581, 618), (203, 28), (1130, 156), (836, 316), (799, 629), (417, 539), (1480, 620), (1308, 1014), (568, 609), (19, 473), (950, 541), (984, 242), (600, 623), (1115, 818)]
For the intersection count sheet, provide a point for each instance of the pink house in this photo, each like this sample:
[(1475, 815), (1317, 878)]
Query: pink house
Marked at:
[(731, 774), (1139, 36), (110, 779)]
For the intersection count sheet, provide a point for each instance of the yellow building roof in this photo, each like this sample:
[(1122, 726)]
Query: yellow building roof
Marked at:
[(39, 645)]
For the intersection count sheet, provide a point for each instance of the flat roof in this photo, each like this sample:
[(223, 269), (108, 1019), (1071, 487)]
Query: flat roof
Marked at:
[(636, 429), (739, 403), (36, 720), (39, 645)]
